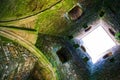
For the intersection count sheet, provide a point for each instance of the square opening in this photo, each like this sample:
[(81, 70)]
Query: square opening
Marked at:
[(97, 42), (75, 12), (64, 54)]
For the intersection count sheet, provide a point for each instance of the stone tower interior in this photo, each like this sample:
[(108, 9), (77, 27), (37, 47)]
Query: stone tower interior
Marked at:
[(59, 40)]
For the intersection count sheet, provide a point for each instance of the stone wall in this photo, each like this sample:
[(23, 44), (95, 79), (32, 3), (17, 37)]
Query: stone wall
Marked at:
[(72, 69)]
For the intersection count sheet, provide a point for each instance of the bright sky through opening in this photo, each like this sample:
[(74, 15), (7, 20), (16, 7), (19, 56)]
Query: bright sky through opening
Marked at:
[(97, 42)]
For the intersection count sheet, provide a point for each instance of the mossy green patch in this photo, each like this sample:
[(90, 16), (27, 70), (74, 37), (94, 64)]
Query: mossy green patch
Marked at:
[(53, 21), (16, 9), (6, 40)]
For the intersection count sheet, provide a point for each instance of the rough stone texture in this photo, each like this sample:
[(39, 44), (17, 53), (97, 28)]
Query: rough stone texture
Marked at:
[(16, 61), (48, 17), (107, 69), (74, 69), (16, 9)]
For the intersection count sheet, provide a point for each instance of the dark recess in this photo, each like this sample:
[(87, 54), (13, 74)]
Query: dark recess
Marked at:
[(64, 54), (75, 13), (101, 13), (111, 31)]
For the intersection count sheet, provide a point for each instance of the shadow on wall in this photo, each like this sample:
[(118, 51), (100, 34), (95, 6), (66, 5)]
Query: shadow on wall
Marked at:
[(109, 69)]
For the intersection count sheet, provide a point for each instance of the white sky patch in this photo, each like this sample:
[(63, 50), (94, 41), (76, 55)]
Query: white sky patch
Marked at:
[(97, 42)]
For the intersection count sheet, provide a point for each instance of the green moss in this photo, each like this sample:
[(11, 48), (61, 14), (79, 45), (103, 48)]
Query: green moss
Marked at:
[(6, 40), (85, 59), (15, 9), (85, 26), (53, 21), (101, 14), (76, 45), (117, 36)]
